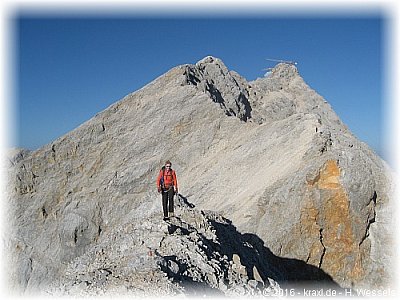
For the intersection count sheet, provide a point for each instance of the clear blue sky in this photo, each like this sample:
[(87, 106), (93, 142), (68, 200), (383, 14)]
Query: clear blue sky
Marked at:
[(68, 69)]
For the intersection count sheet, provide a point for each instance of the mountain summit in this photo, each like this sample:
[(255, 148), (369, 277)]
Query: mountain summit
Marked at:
[(276, 191)]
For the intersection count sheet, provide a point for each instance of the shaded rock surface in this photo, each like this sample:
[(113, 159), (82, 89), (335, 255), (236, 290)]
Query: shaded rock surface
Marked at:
[(185, 255), (271, 155)]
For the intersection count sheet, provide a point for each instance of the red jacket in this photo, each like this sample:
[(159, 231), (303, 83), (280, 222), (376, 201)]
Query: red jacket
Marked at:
[(169, 179)]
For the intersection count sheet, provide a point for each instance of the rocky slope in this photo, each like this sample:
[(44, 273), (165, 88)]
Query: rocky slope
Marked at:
[(186, 255), (270, 155)]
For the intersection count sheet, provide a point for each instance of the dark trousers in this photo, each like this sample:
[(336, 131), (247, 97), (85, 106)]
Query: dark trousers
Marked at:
[(168, 201)]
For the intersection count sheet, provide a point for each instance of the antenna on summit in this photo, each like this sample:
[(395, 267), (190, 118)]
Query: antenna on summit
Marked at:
[(289, 62)]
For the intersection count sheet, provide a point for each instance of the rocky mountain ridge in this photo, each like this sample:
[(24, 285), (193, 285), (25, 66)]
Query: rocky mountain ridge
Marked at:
[(184, 255), (270, 155)]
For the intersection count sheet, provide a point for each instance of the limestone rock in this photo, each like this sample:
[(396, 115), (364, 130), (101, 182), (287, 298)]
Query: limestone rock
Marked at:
[(270, 155), (150, 262), (222, 86)]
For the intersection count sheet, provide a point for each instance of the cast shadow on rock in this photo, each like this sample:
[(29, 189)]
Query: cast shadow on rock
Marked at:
[(288, 272)]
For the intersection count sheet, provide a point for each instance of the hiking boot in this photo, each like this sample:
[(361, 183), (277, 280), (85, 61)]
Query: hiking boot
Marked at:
[(166, 218)]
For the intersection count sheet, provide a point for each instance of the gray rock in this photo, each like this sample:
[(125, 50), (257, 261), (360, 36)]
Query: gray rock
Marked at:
[(270, 155), (257, 275)]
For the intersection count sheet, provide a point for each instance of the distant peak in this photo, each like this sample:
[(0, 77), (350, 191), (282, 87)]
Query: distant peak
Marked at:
[(284, 70), (210, 63), (209, 60)]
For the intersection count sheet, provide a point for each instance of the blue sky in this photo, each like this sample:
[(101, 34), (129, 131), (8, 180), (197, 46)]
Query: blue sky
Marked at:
[(69, 68)]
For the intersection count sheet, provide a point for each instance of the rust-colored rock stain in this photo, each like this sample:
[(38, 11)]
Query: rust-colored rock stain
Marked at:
[(334, 248)]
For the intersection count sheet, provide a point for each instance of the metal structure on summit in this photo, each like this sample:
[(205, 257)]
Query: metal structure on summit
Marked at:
[(288, 62)]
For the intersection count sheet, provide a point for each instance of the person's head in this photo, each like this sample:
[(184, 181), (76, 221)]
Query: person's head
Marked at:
[(168, 164)]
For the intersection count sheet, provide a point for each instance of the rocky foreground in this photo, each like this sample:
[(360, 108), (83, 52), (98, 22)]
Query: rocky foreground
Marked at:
[(284, 194), (194, 253)]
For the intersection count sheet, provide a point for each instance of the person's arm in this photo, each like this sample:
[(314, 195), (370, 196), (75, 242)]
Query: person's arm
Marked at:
[(158, 181), (175, 182)]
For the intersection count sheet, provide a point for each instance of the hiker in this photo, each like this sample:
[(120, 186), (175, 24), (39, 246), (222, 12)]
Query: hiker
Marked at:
[(168, 186)]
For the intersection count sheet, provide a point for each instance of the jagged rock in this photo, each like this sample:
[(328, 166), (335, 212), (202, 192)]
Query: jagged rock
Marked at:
[(190, 266), (223, 87), (270, 155), (257, 275), (237, 266)]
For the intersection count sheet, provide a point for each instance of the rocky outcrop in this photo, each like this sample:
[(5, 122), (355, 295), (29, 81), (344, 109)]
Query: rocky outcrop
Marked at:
[(270, 155), (222, 86), (185, 255)]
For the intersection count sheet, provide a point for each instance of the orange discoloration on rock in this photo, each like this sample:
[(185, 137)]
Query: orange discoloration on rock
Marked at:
[(332, 223), (329, 177)]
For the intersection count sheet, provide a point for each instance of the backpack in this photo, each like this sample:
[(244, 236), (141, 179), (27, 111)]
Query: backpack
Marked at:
[(162, 177), (162, 184)]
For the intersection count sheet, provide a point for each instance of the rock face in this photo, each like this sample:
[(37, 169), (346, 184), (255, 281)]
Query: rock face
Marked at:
[(270, 155), (186, 255)]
